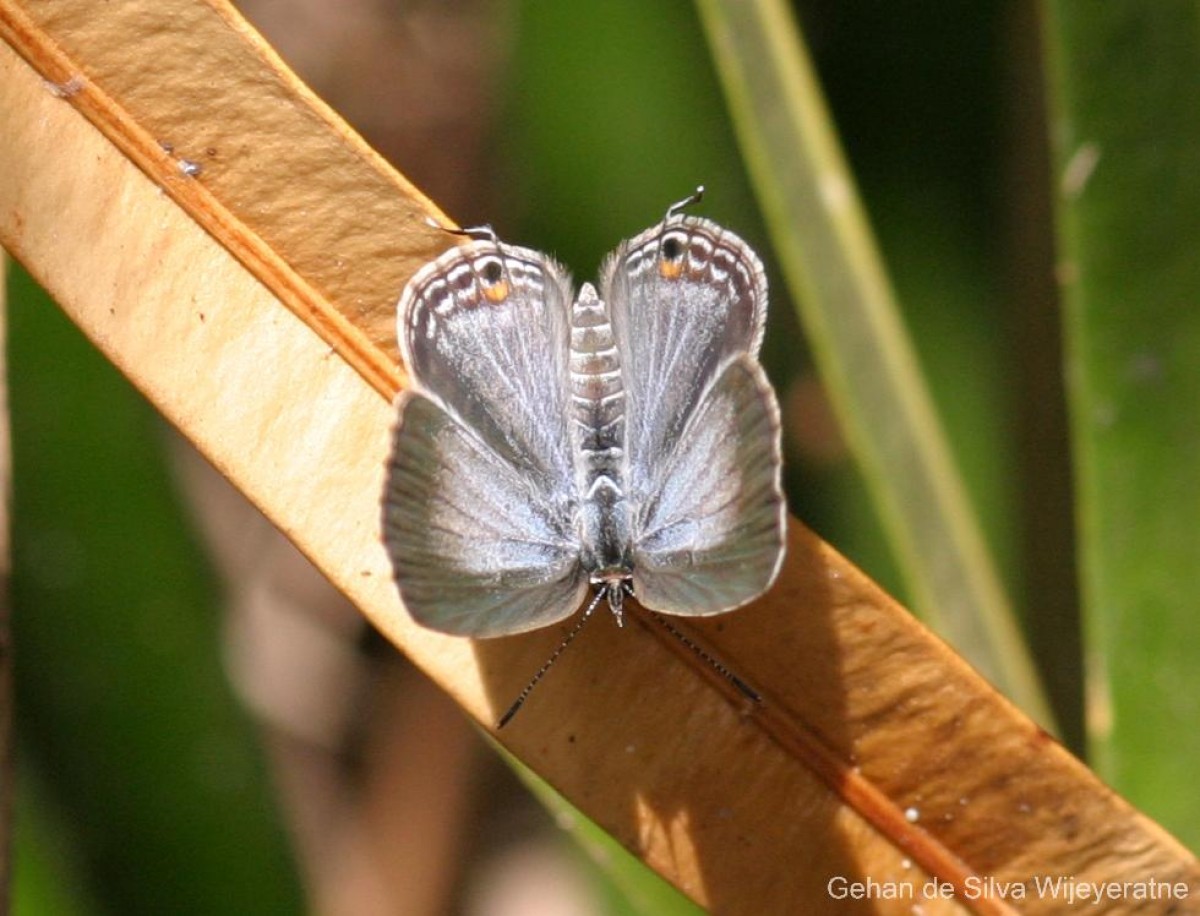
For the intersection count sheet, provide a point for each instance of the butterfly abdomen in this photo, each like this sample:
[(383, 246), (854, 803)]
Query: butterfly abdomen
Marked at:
[(598, 426)]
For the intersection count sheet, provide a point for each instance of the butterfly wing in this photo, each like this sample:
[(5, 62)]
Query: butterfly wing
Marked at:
[(476, 550), (709, 535), (686, 297), (484, 330), (688, 304), (479, 512)]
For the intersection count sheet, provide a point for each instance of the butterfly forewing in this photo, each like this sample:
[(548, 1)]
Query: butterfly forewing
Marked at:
[(685, 297), (484, 330)]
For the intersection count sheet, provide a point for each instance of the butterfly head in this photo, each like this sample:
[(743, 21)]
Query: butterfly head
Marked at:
[(614, 585)]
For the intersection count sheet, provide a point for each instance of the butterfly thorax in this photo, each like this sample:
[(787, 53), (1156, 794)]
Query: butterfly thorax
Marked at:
[(598, 431)]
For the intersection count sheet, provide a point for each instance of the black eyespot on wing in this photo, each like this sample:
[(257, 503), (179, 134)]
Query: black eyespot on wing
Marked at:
[(492, 272)]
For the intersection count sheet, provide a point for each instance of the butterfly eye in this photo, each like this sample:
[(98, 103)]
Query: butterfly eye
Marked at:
[(670, 257), (495, 287)]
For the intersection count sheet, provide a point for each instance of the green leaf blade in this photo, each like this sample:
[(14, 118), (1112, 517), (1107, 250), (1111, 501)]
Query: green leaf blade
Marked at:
[(1124, 80), (868, 364)]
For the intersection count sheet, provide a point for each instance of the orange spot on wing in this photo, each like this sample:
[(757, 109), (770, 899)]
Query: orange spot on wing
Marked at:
[(496, 292), (670, 270)]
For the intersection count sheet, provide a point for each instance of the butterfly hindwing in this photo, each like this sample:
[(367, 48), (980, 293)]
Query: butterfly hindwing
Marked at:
[(476, 550), (710, 537)]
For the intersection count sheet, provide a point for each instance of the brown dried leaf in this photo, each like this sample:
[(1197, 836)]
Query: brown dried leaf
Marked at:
[(253, 302)]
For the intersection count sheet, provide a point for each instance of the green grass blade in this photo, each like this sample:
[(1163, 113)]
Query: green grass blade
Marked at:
[(866, 360), (629, 886), (1125, 79)]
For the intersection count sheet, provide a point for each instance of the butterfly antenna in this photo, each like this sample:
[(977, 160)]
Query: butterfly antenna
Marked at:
[(714, 663), (541, 672), (680, 205), (478, 233)]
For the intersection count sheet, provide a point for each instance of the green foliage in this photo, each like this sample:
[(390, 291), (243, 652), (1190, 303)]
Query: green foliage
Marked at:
[(127, 724), (1124, 79), (867, 363)]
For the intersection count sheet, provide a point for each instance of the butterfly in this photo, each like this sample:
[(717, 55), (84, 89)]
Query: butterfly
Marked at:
[(622, 440)]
